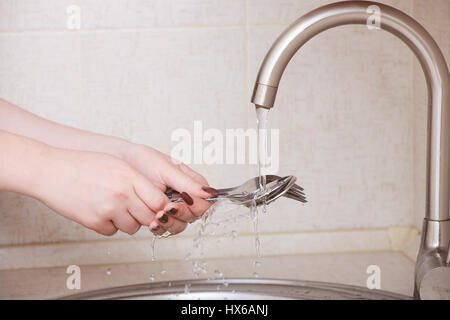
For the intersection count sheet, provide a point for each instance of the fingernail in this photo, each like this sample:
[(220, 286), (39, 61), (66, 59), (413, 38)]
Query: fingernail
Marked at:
[(172, 211), (163, 218), (211, 191), (187, 198), (156, 228)]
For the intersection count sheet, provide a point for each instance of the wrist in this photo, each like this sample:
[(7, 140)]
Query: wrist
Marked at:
[(117, 147), (22, 164)]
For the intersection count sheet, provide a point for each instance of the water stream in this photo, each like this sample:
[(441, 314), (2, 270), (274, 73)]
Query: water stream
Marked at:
[(211, 221)]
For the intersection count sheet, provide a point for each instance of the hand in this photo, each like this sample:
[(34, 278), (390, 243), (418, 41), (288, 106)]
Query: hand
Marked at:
[(164, 171), (99, 191)]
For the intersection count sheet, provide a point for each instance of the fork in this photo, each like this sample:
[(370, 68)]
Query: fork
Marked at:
[(295, 192), (250, 191)]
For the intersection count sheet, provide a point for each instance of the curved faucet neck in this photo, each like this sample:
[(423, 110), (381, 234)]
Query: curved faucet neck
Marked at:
[(424, 47)]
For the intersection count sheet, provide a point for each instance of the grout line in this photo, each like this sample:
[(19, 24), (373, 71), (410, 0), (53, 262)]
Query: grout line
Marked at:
[(407, 256), (163, 28), (190, 237), (212, 259), (135, 29)]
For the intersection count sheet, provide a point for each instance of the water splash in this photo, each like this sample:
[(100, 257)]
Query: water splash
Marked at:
[(153, 247), (255, 220)]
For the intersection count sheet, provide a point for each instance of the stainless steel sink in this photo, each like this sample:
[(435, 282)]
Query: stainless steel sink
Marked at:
[(238, 289)]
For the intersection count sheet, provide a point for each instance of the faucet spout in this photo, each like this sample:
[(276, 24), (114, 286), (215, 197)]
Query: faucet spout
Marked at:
[(436, 235)]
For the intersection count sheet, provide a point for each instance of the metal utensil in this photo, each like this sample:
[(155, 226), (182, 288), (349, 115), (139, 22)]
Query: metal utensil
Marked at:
[(250, 192)]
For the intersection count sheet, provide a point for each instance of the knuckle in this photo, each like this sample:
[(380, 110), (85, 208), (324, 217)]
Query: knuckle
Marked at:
[(120, 194), (108, 233), (179, 228), (159, 201), (107, 210), (99, 225)]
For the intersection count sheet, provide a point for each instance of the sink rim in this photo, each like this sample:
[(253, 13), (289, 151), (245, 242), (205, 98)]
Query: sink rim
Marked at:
[(261, 287)]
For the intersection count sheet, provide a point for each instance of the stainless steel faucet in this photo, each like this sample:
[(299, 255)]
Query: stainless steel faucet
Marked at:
[(432, 273)]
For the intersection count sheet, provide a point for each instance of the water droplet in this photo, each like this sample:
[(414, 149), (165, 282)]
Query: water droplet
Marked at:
[(187, 256), (187, 288), (218, 288), (226, 284), (218, 274), (169, 284), (108, 271), (152, 277), (255, 274), (256, 264), (163, 272), (234, 234), (108, 252)]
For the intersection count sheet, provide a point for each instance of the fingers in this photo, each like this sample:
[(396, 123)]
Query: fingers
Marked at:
[(173, 176), (150, 195), (180, 211), (140, 211), (194, 175), (195, 200), (160, 186), (126, 223), (156, 229), (195, 204), (167, 223), (106, 228)]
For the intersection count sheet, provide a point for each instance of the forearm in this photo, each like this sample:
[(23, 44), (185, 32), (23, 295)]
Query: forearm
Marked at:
[(21, 122), (22, 161)]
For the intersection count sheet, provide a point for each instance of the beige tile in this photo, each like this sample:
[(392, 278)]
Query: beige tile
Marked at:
[(346, 128), (433, 13), (396, 273), (96, 14), (137, 85), (218, 242)]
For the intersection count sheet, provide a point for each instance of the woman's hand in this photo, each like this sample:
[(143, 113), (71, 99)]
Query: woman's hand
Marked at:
[(107, 184), (99, 191), (164, 171)]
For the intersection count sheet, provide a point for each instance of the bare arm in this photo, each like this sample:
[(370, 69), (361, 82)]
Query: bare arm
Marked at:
[(21, 122), (21, 163), (102, 182)]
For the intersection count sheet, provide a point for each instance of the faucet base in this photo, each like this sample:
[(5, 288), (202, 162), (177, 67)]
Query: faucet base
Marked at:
[(432, 266)]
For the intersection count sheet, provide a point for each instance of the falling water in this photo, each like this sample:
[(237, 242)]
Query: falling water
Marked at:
[(261, 120), (153, 247), (254, 217)]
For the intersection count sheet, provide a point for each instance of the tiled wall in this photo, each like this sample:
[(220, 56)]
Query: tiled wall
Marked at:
[(140, 69)]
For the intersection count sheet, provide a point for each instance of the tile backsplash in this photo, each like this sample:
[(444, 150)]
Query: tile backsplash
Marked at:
[(350, 107)]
